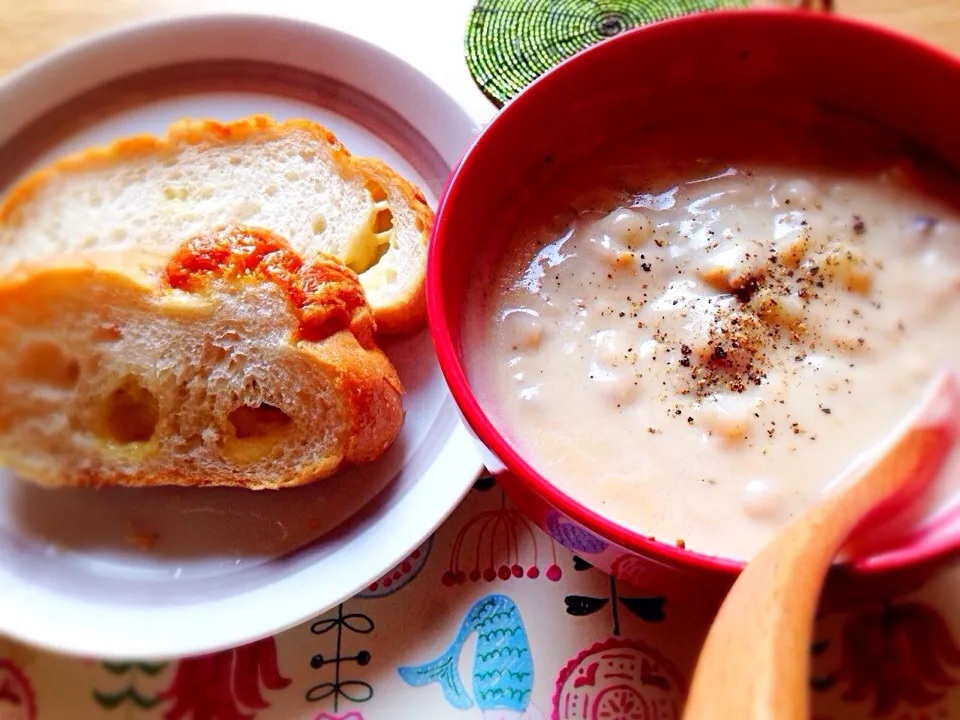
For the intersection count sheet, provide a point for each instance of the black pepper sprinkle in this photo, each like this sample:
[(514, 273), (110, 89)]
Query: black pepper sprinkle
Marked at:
[(825, 410), (645, 266), (859, 227)]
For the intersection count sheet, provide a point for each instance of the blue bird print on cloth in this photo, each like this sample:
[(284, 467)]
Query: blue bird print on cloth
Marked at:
[(502, 664)]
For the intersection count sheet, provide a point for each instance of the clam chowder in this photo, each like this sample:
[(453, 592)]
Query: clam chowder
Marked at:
[(698, 360)]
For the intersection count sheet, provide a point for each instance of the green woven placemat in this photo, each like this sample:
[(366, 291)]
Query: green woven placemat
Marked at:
[(509, 43)]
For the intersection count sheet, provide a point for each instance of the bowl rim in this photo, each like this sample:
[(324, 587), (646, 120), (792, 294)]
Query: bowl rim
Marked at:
[(453, 371)]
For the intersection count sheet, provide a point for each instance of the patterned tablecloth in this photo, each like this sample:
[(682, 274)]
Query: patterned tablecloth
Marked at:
[(491, 618)]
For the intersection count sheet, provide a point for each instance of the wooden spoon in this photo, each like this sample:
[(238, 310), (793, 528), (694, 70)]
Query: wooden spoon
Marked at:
[(755, 663)]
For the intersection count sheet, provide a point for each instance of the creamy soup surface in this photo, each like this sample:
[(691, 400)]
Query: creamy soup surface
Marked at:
[(699, 360)]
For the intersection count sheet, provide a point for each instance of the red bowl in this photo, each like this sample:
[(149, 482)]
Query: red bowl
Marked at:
[(684, 69)]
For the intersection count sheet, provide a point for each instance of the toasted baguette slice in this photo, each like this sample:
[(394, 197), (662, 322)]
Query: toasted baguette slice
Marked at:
[(231, 363), (293, 178)]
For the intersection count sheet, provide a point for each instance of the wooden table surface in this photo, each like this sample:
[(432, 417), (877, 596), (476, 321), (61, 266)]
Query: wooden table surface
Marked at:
[(32, 27)]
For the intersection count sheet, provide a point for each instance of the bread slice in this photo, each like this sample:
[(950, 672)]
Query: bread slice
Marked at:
[(230, 363), (293, 178)]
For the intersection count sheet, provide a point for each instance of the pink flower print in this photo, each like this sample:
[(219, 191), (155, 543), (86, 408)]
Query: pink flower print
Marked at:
[(500, 545), (17, 701), (898, 654), (220, 686)]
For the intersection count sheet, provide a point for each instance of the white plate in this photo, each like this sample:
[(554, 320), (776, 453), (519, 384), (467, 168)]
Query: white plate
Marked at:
[(228, 566)]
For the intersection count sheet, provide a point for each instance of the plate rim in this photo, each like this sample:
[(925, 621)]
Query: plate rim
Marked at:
[(458, 459)]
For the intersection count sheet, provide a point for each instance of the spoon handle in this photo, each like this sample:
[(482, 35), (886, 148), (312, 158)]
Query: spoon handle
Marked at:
[(755, 662)]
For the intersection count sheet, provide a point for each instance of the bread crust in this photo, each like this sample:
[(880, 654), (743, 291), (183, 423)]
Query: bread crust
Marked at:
[(360, 374), (405, 314)]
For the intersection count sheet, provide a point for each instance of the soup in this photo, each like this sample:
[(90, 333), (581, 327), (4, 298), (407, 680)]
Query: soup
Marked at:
[(699, 358)]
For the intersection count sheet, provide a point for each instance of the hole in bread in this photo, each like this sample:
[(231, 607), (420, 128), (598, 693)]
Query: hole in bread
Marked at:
[(130, 413), (106, 332), (370, 256), (246, 210), (257, 421), (376, 191), (213, 355), (379, 253), (46, 364), (319, 224), (383, 221), (171, 192)]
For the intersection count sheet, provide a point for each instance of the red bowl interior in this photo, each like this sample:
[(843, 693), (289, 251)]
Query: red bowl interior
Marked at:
[(694, 68)]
